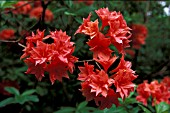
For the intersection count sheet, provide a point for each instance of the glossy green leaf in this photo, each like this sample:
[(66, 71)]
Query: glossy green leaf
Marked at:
[(28, 92), (7, 101), (144, 109), (162, 107), (12, 90), (66, 110), (82, 105), (69, 13)]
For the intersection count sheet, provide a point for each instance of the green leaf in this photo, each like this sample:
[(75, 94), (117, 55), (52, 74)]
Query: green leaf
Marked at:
[(7, 101), (144, 109), (115, 109), (162, 107), (69, 13), (28, 107), (135, 110), (66, 110), (7, 4), (29, 98), (82, 105), (2, 3), (33, 98), (131, 94), (85, 9), (58, 10), (28, 92), (79, 20), (130, 101), (12, 90), (69, 3), (41, 90)]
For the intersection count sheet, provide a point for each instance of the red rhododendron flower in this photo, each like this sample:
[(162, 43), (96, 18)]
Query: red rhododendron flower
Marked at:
[(86, 72), (130, 52), (22, 10), (153, 87), (100, 83), (7, 83), (31, 41), (139, 34), (91, 29), (37, 13), (161, 95), (55, 58), (103, 13), (100, 46), (106, 102), (143, 94), (166, 82), (6, 34), (86, 91), (37, 70), (158, 91), (118, 32), (84, 24), (105, 61), (24, 33), (96, 84), (123, 78)]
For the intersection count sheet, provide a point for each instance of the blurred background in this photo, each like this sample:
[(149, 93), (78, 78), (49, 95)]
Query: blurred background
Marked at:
[(149, 51)]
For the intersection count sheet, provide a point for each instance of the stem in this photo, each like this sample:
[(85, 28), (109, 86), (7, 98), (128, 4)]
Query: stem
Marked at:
[(21, 45), (90, 61), (13, 41), (85, 61), (98, 65), (44, 6)]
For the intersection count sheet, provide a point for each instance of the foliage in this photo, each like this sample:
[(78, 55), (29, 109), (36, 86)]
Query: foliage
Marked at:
[(25, 94)]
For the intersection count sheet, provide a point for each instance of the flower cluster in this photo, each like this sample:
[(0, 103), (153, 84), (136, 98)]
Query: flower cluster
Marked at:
[(139, 34), (55, 58), (35, 11), (23, 9), (7, 34), (97, 84), (160, 92)]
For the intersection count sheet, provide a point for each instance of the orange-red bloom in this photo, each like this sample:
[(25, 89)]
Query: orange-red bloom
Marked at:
[(100, 46), (158, 91), (37, 13), (107, 102), (166, 82), (55, 58), (97, 84), (139, 34), (130, 52), (143, 94), (20, 9), (6, 34), (105, 61), (99, 81), (118, 32), (123, 78)]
